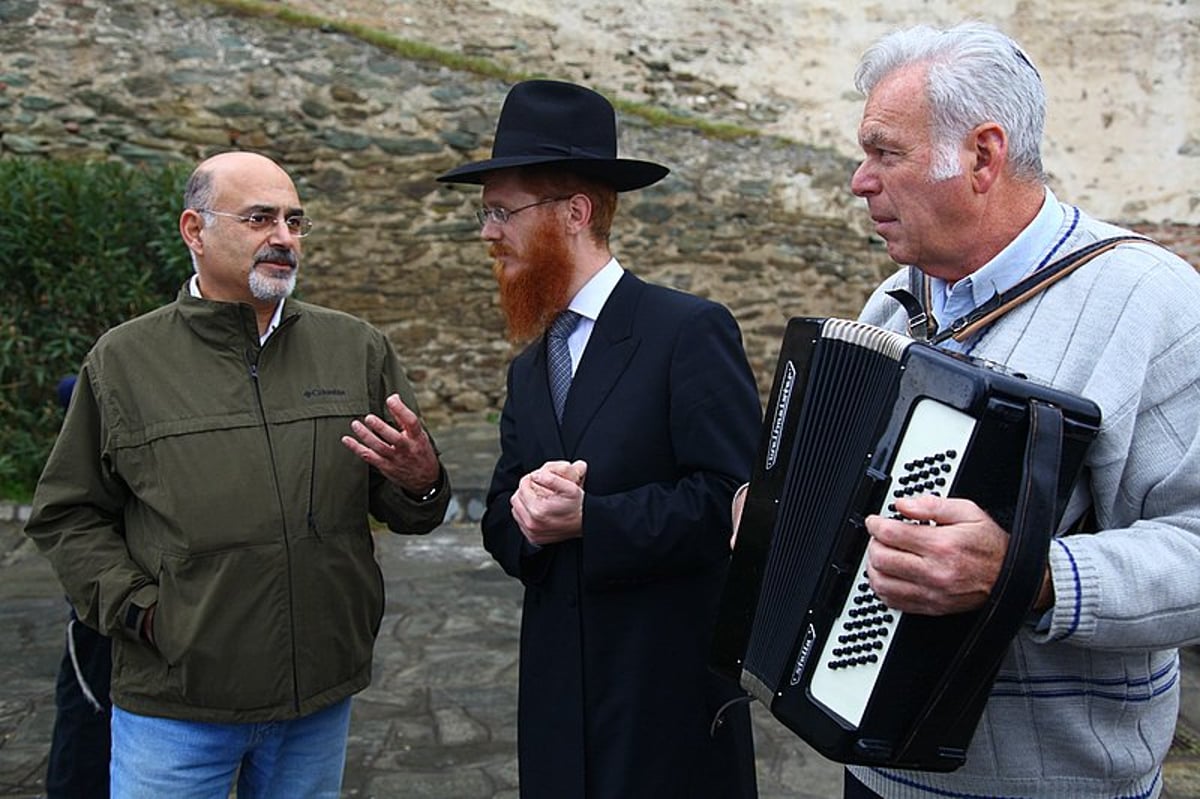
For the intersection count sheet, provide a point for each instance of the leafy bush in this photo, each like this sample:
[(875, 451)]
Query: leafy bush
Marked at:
[(83, 246)]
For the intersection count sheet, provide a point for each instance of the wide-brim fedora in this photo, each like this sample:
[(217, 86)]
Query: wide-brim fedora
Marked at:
[(552, 122)]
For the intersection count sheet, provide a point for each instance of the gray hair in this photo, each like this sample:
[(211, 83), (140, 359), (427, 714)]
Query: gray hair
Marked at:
[(198, 195), (199, 191), (976, 74)]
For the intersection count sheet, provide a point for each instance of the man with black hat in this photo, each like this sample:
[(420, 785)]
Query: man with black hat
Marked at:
[(629, 422)]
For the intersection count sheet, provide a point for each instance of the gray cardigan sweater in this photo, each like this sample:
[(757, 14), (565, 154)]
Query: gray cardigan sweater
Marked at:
[(1087, 707)]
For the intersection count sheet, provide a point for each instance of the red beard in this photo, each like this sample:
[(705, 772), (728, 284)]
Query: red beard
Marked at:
[(533, 292)]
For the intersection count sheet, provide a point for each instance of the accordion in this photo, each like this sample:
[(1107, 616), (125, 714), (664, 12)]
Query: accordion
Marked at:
[(858, 416)]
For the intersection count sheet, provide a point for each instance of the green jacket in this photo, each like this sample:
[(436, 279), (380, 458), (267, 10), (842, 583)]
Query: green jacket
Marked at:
[(203, 472)]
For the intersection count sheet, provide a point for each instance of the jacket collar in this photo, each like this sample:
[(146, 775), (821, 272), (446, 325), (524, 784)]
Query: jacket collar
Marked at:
[(227, 324)]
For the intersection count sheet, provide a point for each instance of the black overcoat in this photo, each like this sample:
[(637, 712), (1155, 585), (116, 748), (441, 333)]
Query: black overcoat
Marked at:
[(616, 697)]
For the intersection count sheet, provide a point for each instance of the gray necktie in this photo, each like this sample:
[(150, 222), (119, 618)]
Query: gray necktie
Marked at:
[(559, 358)]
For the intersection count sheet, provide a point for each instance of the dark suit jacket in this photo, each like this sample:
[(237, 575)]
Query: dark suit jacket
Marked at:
[(616, 698)]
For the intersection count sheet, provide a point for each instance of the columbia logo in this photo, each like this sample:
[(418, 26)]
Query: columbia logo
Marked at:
[(313, 393)]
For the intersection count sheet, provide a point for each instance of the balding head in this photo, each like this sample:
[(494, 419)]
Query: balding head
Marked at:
[(201, 186)]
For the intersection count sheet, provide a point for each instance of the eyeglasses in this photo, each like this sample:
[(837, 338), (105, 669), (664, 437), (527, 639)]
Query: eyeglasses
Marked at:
[(299, 226), (502, 215)]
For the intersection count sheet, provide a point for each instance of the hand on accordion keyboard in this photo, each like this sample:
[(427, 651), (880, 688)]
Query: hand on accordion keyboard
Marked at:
[(948, 566)]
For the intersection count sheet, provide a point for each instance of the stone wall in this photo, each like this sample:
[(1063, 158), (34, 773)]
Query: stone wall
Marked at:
[(1122, 77), (763, 225)]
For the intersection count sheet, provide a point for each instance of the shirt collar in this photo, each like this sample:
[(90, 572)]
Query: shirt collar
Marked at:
[(591, 298), (1023, 255), (194, 290)]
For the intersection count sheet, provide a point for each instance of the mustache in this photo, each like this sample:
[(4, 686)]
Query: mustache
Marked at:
[(276, 255)]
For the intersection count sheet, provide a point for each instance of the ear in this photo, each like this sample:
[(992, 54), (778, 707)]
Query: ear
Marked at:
[(989, 147), (190, 225), (579, 213)]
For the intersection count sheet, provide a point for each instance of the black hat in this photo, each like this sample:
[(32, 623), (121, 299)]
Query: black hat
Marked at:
[(551, 122)]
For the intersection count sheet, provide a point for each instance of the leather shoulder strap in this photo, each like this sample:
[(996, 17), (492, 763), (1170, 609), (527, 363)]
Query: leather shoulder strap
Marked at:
[(916, 301), (983, 315)]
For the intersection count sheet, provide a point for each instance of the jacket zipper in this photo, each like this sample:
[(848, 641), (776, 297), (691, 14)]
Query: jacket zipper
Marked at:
[(312, 486), (252, 361)]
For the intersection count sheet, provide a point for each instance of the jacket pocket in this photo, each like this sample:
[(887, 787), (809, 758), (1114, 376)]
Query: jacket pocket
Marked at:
[(223, 627), (339, 608), (334, 481)]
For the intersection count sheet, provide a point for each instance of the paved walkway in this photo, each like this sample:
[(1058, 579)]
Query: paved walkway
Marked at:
[(439, 721)]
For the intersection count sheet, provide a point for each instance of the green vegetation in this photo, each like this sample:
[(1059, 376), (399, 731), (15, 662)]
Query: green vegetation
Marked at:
[(83, 246)]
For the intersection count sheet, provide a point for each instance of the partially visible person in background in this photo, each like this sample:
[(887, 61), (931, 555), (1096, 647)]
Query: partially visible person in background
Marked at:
[(79, 746)]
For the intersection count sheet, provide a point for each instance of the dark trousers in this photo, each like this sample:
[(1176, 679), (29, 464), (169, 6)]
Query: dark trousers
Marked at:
[(853, 789), (79, 748)]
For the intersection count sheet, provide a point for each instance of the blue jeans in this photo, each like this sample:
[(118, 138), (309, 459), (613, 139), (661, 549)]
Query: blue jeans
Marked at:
[(298, 759)]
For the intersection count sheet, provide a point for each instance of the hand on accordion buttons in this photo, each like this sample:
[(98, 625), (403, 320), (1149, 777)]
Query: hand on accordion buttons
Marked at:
[(548, 503), (946, 565)]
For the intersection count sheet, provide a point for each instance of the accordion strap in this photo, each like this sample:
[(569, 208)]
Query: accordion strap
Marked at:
[(916, 300), (922, 326), (977, 660)]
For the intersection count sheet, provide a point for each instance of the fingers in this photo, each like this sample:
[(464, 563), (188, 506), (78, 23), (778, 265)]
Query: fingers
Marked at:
[(405, 419), (351, 443), (893, 565), (930, 513), (550, 482), (382, 438), (372, 432), (548, 503), (403, 454), (575, 472), (542, 489), (903, 581), (947, 562), (939, 510), (523, 515)]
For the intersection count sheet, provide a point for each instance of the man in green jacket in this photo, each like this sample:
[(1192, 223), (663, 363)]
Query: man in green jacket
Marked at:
[(207, 501)]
